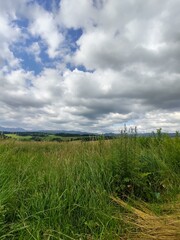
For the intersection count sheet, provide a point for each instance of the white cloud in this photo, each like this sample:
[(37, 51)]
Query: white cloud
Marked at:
[(76, 14), (35, 50), (49, 86), (43, 25), (9, 33)]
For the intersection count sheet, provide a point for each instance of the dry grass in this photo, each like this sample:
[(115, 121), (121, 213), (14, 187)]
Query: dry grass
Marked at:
[(148, 226)]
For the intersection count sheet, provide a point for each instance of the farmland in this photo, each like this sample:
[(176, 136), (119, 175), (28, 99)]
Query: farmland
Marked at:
[(86, 190), (49, 137)]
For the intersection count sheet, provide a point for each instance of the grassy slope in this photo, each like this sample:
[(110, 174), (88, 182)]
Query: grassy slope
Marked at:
[(48, 137), (62, 190)]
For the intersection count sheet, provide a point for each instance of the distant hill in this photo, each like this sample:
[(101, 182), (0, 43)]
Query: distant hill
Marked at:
[(4, 129), (73, 132), (67, 132)]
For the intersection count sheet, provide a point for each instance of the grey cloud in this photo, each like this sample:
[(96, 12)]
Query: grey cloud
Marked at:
[(23, 101)]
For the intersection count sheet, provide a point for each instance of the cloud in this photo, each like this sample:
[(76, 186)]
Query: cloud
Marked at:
[(122, 68), (76, 14), (42, 24), (9, 33), (35, 50)]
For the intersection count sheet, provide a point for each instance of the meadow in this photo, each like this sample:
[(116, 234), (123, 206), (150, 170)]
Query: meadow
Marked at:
[(50, 137), (80, 190)]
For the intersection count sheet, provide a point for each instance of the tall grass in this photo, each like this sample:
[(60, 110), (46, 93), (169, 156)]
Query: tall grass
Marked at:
[(62, 190)]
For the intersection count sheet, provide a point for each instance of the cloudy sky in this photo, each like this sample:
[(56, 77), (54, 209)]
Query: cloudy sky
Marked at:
[(90, 65)]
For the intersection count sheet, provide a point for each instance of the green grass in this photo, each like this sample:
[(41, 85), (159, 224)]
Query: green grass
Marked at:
[(46, 137), (63, 190), (17, 137)]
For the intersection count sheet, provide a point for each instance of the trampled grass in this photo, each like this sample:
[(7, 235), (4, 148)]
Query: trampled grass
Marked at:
[(64, 190), (147, 225)]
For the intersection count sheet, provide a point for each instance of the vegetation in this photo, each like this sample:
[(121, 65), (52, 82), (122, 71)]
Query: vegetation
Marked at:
[(72, 190), (48, 137)]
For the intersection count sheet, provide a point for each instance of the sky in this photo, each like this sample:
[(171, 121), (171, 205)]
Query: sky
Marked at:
[(90, 65)]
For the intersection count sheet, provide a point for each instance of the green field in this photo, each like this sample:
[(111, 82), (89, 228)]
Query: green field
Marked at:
[(46, 137), (70, 190), (17, 137)]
